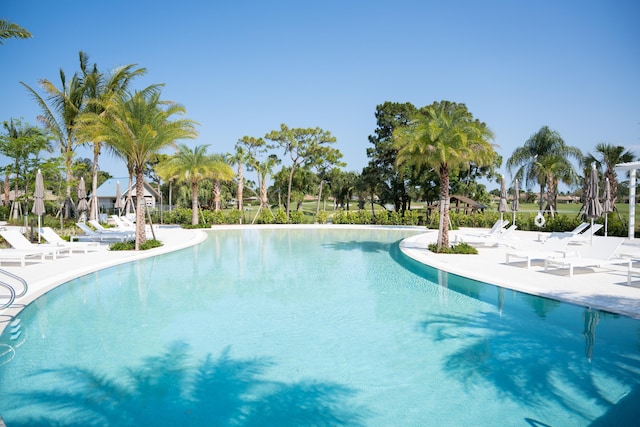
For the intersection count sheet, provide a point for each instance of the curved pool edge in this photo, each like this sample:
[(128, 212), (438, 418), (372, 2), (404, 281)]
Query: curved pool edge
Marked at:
[(602, 290)]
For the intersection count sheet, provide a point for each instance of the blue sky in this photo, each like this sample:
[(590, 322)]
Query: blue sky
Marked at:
[(243, 67)]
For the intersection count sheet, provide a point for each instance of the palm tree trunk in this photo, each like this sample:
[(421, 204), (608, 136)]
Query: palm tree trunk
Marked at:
[(240, 194), (194, 203), (94, 182), (217, 194), (443, 229), (293, 167), (319, 197), (141, 236)]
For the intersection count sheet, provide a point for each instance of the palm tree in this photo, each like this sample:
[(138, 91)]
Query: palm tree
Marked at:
[(10, 30), (100, 90), (241, 157), (138, 126), (221, 171), (60, 117), (609, 156), (529, 160), (167, 172), (444, 136), (555, 169), (191, 166)]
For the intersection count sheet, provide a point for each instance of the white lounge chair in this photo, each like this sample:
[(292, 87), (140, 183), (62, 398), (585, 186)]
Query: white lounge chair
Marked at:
[(123, 224), (554, 246), (497, 227), (585, 236), (18, 241), (503, 236), (579, 228), (599, 254), (53, 238), (95, 236), (100, 229), (21, 256)]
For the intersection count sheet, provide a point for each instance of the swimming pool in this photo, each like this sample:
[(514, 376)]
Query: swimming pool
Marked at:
[(312, 327)]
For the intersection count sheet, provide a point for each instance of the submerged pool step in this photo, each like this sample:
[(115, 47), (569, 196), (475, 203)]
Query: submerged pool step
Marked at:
[(15, 328)]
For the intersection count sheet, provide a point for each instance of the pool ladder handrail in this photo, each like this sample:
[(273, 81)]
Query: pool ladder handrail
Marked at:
[(12, 295), (25, 286)]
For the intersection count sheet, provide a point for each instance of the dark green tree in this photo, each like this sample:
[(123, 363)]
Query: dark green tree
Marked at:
[(383, 154)]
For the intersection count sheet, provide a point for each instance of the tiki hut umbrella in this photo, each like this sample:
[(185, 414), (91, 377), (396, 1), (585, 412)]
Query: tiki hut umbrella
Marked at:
[(607, 204), (592, 207), (119, 202), (502, 205), (38, 201), (83, 206), (515, 204)]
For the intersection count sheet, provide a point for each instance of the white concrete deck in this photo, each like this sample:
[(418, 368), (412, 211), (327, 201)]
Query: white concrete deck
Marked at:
[(602, 288)]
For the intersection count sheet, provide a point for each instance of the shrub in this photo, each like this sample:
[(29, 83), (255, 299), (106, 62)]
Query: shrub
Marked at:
[(280, 217), (411, 218), (131, 245), (460, 248), (296, 217), (321, 217)]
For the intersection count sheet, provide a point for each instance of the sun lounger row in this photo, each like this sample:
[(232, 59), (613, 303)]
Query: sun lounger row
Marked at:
[(557, 254), (101, 234), (23, 251)]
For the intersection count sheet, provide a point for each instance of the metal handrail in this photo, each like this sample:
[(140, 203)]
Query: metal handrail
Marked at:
[(12, 295), (19, 279)]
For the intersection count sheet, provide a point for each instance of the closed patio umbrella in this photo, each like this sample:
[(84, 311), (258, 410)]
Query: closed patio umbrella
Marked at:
[(502, 205), (592, 207), (38, 201), (607, 204), (83, 206), (119, 204), (515, 204)]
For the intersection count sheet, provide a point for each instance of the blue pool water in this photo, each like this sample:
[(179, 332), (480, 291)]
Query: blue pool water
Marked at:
[(312, 327)]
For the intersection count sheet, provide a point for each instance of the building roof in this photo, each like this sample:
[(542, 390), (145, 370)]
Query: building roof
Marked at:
[(108, 188)]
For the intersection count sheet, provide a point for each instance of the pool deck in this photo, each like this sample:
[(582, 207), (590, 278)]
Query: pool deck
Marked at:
[(600, 288), (603, 288)]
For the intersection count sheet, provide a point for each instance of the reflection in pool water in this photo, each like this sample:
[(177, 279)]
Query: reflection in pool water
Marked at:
[(312, 327)]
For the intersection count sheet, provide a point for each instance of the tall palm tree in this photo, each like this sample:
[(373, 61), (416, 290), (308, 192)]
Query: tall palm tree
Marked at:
[(100, 90), (609, 156), (138, 126), (191, 166), (265, 169), (241, 157), (10, 30), (555, 169), (221, 171), (529, 160), (59, 117), (444, 136), (167, 172)]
